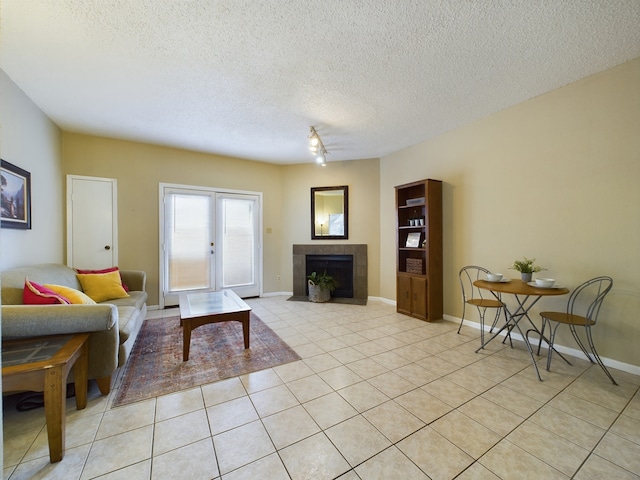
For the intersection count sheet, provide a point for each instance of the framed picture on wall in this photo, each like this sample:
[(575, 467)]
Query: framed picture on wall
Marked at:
[(15, 207)]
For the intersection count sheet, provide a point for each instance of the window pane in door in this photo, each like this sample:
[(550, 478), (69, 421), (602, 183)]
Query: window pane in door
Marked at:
[(189, 244), (238, 242)]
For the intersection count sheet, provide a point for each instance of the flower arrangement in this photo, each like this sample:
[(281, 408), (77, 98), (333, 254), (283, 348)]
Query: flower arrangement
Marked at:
[(528, 265)]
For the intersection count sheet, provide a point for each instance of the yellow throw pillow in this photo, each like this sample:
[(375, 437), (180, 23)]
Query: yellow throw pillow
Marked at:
[(102, 286), (71, 294)]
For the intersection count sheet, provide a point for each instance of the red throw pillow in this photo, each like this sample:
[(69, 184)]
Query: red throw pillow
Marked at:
[(36, 294), (104, 270)]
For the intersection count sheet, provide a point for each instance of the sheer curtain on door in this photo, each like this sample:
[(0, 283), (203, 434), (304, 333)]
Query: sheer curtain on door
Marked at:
[(189, 246), (238, 243)]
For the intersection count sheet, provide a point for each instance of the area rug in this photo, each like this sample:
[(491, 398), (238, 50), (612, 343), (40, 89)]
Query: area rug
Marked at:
[(155, 366)]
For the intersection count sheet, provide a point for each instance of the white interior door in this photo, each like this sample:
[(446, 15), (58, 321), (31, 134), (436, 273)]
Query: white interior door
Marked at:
[(92, 222), (209, 240)]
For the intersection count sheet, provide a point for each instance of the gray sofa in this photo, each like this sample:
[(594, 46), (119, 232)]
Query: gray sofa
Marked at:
[(113, 324)]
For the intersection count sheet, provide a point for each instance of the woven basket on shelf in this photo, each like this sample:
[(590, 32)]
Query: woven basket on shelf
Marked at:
[(414, 265)]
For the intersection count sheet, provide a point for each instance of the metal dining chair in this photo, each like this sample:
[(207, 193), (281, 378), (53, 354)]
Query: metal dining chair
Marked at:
[(582, 311), (472, 295)]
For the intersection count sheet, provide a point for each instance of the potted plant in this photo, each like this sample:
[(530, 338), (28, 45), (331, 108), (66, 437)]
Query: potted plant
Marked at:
[(321, 286), (526, 267)]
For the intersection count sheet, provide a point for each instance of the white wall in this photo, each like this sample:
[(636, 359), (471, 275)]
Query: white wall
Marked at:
[(29, 140)]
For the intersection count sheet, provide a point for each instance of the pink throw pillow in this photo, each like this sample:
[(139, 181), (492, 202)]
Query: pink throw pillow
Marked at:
[(36, 294)]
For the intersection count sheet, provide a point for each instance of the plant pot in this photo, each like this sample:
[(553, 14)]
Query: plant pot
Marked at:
[(526, 277), (318, 294)]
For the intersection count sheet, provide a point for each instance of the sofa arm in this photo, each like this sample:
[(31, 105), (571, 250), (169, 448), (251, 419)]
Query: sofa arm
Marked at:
[(134, 279), (37, 320)]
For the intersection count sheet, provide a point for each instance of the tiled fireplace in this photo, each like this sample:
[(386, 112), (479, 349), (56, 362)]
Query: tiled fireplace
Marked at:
[(360, 265)]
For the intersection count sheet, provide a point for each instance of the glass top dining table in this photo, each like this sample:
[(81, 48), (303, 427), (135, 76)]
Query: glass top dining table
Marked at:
[(526, 297)]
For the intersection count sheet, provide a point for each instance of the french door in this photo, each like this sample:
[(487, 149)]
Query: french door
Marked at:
[(209, 240)]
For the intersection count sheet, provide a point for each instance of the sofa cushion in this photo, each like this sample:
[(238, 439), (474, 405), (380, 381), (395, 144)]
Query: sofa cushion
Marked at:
[(36, 294), (102, 286), (74, 296), (135, 299), (126, 322)]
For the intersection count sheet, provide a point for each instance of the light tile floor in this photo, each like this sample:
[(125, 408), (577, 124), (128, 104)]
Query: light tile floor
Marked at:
[(377, 395)]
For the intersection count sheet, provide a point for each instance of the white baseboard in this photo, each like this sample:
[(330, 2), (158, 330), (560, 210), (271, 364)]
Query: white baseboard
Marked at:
[(574, 352), (277, 294), (384, 300)]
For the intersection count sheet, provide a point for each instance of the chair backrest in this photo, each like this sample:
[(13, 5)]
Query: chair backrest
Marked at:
[(587, 298), (468, 275)]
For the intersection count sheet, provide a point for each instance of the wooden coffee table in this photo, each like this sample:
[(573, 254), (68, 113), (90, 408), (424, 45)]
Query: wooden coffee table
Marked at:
[(197, 309), (42, 365)]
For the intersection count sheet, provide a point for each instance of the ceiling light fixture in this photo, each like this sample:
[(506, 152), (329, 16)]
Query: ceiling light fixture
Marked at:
[(317, 147)]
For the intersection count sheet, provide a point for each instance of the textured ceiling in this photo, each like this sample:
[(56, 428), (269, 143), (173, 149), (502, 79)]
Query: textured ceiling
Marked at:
[(247, 78)]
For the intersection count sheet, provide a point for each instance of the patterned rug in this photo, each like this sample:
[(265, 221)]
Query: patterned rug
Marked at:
[(155, 366)]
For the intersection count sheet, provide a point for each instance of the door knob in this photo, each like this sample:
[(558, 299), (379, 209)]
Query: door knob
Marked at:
[(107, 247)]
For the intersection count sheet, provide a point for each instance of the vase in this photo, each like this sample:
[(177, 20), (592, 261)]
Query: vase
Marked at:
[(526, 277)]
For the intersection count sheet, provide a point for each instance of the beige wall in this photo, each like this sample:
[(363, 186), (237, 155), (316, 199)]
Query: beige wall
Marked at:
[(29, 140), (140, 168), (363, 179), (556, 178)]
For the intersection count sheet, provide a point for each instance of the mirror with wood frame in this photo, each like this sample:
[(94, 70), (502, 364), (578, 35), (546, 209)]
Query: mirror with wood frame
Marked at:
[(330, 213)]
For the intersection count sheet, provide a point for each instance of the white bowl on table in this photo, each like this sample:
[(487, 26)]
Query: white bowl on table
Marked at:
[(545, 282), (494, 277)]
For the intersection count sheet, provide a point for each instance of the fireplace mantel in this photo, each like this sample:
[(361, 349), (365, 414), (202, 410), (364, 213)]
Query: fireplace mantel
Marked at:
[(360, 265)]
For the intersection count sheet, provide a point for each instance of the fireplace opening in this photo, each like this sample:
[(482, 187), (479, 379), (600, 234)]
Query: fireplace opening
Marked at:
[(340, 267)]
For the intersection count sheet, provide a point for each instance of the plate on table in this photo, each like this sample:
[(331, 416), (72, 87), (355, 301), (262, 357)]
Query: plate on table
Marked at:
[(502, 280), (534, 284)]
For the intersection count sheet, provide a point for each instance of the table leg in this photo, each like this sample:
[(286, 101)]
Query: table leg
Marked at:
[(526, 342), (186, 339), (245, 330), (80, 375), (54, 409), (523, 311), (514, 319)]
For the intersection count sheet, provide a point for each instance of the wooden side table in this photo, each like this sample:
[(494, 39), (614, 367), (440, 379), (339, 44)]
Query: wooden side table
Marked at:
[(42, 365)]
